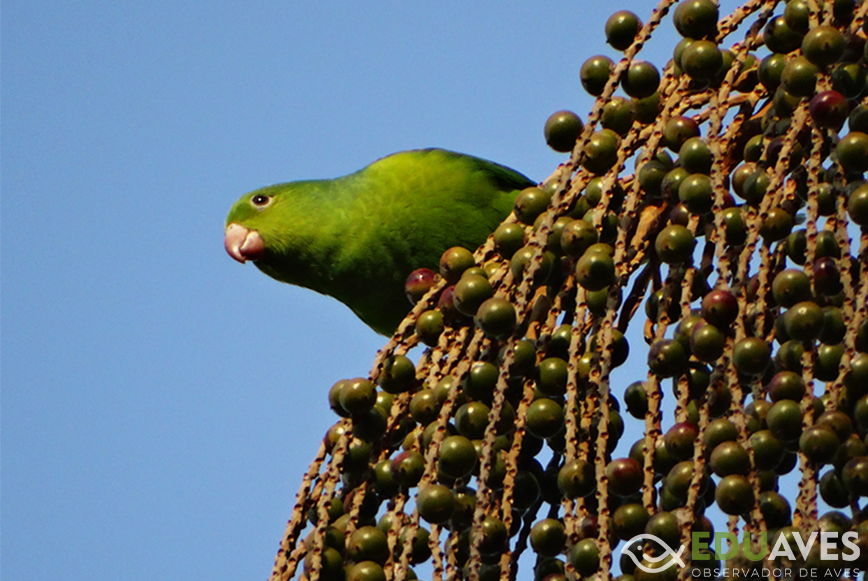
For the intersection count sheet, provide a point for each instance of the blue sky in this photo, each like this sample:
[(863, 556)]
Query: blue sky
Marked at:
[(160, 402)]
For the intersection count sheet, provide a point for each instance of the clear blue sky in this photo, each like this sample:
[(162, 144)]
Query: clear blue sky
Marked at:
[(160, 402)]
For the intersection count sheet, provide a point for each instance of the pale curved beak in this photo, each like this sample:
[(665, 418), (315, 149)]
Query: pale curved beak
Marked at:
[(243, 244)]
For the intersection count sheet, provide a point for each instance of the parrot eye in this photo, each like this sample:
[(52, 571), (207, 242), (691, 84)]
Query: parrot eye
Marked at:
[(260, 200)]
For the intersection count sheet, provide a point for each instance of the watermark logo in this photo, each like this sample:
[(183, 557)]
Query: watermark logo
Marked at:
[(667, 552), (827, 543)]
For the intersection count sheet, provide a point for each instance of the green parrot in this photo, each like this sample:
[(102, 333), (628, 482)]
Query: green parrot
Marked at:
[(357, 238)]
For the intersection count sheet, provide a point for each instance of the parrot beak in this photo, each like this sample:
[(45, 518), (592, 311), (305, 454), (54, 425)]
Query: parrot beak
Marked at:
[(243, 244)]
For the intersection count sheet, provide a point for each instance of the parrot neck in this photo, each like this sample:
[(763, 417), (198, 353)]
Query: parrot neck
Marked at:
[(325, 247)]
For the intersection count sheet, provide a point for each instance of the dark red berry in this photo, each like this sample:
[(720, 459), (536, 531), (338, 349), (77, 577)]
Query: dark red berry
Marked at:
[(418, 283), (720, 308), (829, 109)]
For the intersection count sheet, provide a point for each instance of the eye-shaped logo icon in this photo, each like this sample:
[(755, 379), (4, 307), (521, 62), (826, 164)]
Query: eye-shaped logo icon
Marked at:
[(667, 552)]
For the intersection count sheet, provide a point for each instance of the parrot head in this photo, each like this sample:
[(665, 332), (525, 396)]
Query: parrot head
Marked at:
[(279, 228), (262, 224), (243, 240)]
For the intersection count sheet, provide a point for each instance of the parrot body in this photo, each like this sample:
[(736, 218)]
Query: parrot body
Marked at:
[(358, 237)]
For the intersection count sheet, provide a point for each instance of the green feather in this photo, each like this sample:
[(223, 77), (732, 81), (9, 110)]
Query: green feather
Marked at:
[(358, 237)]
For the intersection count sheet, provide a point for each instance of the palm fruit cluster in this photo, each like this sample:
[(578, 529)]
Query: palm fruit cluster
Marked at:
[(488, 426)]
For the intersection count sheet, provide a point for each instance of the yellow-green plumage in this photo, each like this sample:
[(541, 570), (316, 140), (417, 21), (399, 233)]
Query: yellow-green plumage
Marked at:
[(358, 237)]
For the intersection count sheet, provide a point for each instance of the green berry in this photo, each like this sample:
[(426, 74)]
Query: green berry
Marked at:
[(702, 60), (823, 45), (641, 79), (696, 18), (621, 29), (595, 73), (561, 130), (674, 244)]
